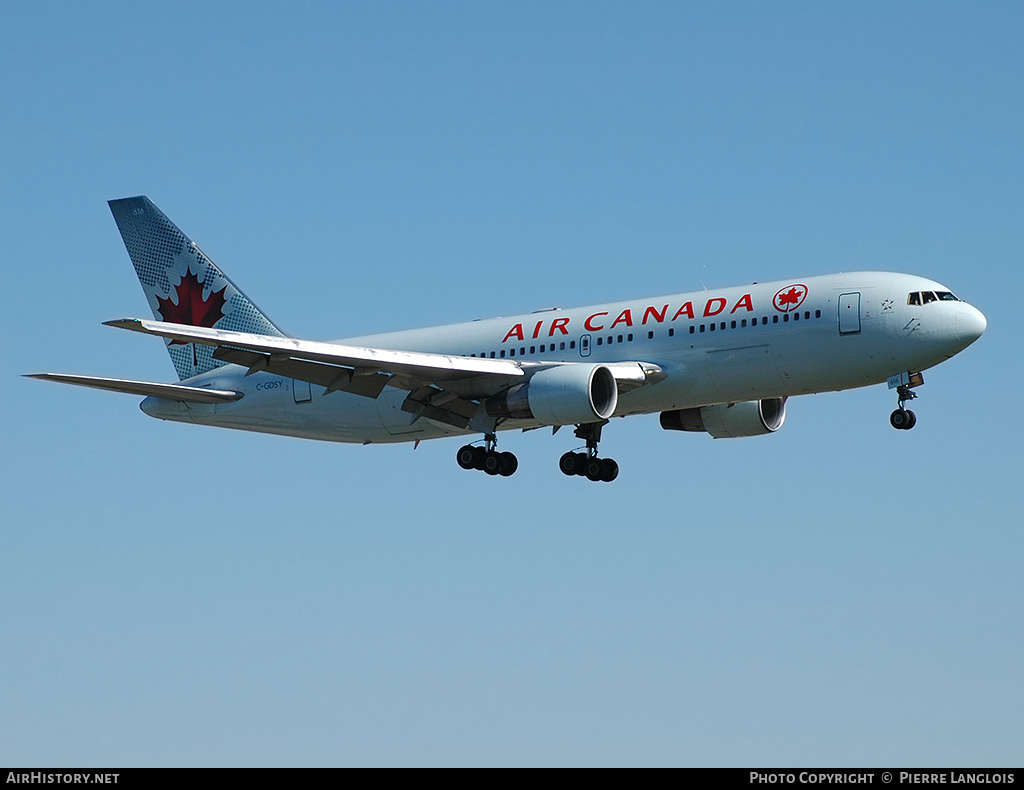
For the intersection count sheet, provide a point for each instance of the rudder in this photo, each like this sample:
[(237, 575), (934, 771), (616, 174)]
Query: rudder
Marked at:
[(182, 285)]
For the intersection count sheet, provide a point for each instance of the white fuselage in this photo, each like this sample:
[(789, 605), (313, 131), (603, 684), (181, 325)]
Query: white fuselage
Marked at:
[(766, 340)]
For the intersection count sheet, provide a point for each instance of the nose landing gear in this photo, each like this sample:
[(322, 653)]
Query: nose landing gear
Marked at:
[(487, 459), (904, 419), (588, 464)]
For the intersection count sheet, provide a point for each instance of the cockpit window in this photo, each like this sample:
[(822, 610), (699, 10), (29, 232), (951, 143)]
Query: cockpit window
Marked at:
[(924, 297)]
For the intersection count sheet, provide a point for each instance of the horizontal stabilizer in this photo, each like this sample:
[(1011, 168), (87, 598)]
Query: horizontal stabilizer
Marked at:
[(170, 391)]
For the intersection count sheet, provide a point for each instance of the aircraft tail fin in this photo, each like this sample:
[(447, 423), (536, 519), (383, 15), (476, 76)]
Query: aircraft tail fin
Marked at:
[(182, 285)]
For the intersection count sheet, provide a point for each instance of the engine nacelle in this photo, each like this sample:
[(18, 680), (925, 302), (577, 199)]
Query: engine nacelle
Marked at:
[(564, 395), (725, 421)]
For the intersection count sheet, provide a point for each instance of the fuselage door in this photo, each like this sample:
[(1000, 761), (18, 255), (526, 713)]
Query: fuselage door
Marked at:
[(584, 345), (849, 313)]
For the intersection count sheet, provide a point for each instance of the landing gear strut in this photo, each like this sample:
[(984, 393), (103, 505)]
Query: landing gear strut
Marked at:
[(904, 419), (588, 464), (487, 459)]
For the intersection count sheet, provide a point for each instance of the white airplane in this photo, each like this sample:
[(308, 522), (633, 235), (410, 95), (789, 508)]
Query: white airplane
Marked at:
[(722, 361)]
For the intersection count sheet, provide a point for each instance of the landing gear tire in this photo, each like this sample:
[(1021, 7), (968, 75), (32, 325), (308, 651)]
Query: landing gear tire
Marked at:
[(902, 419), (570, 463), (508, 464), (492, 462), (466, 457), (611, 470), (479, 453), (594, 469)]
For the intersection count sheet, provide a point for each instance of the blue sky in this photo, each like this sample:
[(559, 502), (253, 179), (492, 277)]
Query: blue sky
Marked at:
[(838, 593)]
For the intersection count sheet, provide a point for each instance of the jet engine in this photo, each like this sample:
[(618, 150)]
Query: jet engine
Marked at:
[(563, 395), (725, 421)]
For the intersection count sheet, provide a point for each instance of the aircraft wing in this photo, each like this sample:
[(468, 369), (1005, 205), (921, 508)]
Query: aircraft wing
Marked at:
[(172, 391), (441, 387), (417, 366)]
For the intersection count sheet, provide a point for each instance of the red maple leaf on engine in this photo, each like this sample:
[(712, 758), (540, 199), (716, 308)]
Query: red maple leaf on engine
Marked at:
[(191, 308)]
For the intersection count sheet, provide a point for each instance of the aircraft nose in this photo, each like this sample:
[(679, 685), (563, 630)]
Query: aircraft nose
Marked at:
[(970, 324)]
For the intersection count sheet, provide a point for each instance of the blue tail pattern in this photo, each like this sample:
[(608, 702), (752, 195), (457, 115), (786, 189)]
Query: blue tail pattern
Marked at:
[(182, 285)]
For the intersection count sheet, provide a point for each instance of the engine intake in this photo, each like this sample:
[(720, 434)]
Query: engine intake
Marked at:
[(726, 421), (564, 395)]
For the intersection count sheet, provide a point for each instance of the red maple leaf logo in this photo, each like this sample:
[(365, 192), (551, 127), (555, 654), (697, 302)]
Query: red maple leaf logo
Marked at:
[(191, 308), (791, 298)]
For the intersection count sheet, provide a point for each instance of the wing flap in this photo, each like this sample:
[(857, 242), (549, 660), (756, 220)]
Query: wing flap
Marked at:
[(180, 392), (330, 376), (440, 405)]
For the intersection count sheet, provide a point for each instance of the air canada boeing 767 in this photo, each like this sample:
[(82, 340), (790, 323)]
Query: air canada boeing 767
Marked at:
[(722, 361)]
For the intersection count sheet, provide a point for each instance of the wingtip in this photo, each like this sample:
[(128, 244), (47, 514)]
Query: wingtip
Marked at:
[(125, 323)]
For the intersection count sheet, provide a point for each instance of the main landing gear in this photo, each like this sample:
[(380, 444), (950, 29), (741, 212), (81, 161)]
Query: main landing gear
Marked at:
[(487, 459), (903, 419), (588, 464)]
